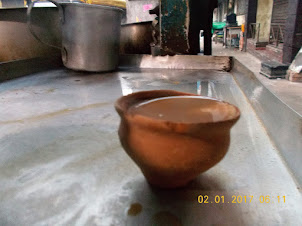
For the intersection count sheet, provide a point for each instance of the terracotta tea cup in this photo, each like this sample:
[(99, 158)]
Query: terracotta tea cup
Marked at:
[(170, 154)]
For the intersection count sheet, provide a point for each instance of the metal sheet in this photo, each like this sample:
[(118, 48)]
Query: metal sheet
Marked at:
[(282, 123), (174, 22), (18, 68), (16, 42), (61, 162)]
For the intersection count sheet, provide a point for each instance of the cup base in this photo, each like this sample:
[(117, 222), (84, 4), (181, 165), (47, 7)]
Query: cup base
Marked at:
[(166, 183)]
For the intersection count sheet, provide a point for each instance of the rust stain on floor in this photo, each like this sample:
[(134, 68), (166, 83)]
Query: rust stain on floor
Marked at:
[(135, 209), (54, 114)]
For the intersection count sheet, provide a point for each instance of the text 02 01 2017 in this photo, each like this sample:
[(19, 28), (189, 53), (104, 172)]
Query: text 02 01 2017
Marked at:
[(205, 199)]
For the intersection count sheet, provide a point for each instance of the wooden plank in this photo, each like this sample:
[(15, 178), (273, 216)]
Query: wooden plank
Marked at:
[(294, 76)]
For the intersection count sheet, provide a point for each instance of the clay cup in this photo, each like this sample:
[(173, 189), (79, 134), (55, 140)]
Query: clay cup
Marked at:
[(171, 154)]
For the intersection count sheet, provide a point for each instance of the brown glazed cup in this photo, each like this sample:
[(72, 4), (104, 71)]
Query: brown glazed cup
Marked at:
[(172, 154)]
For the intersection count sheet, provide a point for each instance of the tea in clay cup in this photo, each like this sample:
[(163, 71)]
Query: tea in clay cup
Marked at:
[(174, 136)]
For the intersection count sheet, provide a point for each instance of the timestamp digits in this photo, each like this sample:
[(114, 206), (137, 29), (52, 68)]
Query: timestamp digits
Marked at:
[(205, 199)]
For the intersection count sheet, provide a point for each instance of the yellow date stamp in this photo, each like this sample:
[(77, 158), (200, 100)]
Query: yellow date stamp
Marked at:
[(237, 199)]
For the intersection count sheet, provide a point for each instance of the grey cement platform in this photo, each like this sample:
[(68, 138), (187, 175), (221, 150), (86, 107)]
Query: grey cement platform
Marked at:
[(62, 164), (289, 92)]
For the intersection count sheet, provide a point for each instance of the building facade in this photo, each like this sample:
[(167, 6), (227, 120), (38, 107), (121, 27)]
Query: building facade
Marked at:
[(273, 28)]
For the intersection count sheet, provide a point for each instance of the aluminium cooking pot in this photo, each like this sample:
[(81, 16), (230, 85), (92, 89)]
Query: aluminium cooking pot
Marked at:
[(90, 35), (136, 38)]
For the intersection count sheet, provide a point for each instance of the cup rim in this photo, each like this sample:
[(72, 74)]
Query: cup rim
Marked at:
[(123, 104)]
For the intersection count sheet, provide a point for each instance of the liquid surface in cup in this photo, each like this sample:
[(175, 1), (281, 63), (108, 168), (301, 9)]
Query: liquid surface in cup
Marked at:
[(185, 109)]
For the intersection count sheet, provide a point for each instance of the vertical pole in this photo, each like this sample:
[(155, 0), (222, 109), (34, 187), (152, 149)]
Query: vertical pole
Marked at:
[(258, 32), (250, 17), (277, 39), (207, 41), (292, 41)]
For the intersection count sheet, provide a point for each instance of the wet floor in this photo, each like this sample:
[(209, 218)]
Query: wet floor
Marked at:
[(62, 164)]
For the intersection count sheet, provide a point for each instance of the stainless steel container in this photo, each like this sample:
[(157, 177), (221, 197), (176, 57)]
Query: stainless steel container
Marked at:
[(136, 38), (90, 35)]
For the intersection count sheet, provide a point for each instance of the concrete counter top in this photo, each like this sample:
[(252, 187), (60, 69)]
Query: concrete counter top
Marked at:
[(62, 164)]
